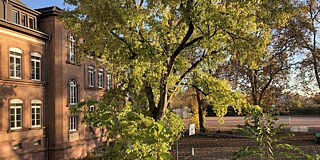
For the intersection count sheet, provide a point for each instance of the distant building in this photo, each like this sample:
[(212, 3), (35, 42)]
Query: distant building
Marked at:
[(40, 77)]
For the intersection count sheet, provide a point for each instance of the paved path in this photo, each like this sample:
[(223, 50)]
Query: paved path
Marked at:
[(309, 121)]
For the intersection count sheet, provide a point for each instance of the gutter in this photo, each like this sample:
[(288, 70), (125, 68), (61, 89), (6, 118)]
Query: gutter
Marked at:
[(5, 9), (46, 101)]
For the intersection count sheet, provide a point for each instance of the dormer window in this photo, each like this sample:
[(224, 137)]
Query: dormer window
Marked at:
[(72, 49), (15, 16), (24, 20), (31, 23)]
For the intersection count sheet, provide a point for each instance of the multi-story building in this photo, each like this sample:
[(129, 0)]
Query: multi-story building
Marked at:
[(40, 77)]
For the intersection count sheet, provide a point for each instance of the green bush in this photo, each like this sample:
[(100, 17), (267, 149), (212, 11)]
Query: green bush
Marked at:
[(132, 134)]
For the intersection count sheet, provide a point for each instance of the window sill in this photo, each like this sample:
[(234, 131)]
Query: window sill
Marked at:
[(75, 131), (17, 130), (73, 63), (15, 78), (70, 105), (37, 128), (90, 88)]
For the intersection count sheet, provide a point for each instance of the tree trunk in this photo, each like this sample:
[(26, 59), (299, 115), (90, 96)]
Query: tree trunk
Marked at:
[(253, 83), (200, 112)]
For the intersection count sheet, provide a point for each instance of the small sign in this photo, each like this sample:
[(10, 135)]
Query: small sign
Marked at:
[(192, 129), (299, 129), (303, 129), (294, 129)]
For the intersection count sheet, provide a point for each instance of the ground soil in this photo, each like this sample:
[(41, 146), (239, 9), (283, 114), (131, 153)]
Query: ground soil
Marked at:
[(222, 146)]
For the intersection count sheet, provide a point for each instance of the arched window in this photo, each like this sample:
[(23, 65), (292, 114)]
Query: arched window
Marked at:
[(35, 66), (90, 76), (72, 49), (100, 78), (15, 63), (16, 114), (73, 92), (36, 113)]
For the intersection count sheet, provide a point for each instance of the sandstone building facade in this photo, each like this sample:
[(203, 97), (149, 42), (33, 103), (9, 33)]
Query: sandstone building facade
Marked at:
[(40, 77)]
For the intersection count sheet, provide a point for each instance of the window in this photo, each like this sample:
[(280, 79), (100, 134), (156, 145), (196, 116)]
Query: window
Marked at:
[(15, 63), (17, 146), (72, 50), (109, 81), (91, 76), (15, 114), (31, 23), (73, 123), (100, 78), (92, 108), (15, 17), (24, 20), (73, 97), (35, 113), (35, 66)]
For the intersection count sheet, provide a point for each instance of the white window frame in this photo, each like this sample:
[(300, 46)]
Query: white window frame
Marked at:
[(33, 22), (15, 12), (73, 122), (72, 51), (100, 78), (109, 80), (90, 76), (92, 108), (16, 54), (73, 92), (36, 59), (35, 104), (15, 104)]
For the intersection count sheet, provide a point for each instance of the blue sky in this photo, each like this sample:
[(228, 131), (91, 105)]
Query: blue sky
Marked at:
[(34, 4)]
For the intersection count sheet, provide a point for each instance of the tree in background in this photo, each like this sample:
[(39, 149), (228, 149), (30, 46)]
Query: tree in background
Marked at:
[(216, 93), (155, 45), (266, 83), (304, 28)]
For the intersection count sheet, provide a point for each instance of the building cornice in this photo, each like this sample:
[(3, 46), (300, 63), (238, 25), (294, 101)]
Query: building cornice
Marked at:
[(50, 11), (23, 30)]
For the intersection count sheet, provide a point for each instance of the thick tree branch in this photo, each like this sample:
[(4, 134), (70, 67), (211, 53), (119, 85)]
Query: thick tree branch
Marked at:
[(181, 46), (149, 93), (133, 56)]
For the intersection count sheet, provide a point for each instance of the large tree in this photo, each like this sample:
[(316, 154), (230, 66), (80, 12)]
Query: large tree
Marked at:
[(155, 45)]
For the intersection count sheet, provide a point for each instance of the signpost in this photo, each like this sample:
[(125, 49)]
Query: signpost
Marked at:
[(192, 131)]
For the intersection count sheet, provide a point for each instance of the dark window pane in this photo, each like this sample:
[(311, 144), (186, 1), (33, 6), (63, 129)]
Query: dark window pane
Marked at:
[(18, 110), (31, 23), (23, 19), (18, 123)]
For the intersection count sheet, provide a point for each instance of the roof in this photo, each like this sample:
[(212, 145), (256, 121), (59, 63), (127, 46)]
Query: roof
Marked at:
[(18, 1), (24, 7)]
